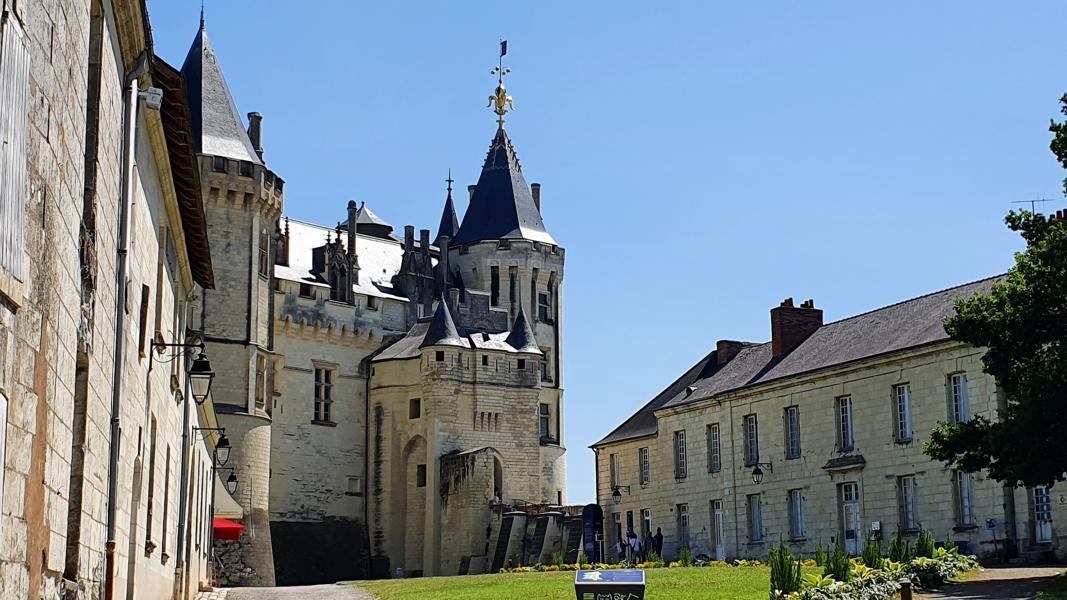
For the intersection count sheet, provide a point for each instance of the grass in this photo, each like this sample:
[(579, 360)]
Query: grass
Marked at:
[(1056, 591), (695, 583)]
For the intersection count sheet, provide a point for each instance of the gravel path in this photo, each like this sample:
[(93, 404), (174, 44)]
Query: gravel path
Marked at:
[(304, 592), (999, 583)]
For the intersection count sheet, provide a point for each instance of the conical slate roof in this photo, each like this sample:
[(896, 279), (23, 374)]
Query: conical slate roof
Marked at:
[(369, 223), (502, 206), (217, 126), (522, 337), (442, 331), (449, 222)]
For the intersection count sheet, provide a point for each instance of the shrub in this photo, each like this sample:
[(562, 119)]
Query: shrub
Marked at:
[(655, 560), (837, 565), (872, 555), (924, 544), (899, 549), (820, 555), (557, 559), (785, 571), (583, 558), (685, 557)]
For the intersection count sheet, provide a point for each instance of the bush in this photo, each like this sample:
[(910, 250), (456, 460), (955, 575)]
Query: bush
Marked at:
[(557, 559), (654, 559), (820, 555), (872, 555), (899, 549), (785, 571), (924, 544), (583, 558), (685, 557), (837, 565)]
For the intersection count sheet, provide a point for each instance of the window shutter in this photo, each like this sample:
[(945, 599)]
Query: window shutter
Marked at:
[(14, 110)]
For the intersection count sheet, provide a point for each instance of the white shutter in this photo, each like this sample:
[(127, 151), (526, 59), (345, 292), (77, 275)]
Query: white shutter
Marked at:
[(14, 110)]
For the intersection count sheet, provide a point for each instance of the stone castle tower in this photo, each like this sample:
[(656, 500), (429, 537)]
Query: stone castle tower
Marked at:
[(389, 399), (242, 201)]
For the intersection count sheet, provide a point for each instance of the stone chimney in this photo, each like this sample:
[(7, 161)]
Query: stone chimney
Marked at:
[(424, 243), (535, 189), (442, 264), (255, 132), (409, 238), (726, 350), (353, 260), (470, 190), (1061, 215), (791, 325)]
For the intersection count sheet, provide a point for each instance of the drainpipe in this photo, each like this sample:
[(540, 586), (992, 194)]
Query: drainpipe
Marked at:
[(122, 254)]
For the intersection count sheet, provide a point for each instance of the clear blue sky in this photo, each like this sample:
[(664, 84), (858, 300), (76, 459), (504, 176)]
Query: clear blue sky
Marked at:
[(700, 161)]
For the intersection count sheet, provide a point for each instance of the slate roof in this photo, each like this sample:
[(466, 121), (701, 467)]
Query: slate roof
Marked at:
[(410, 346), (217, 126), (442, 329), (449, 221), (502, 206), (522, 337), (902, 326), (369, 223)]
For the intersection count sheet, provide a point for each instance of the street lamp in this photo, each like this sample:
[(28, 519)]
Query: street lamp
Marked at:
[(222, 450), (616, 492), (200, 376), (757, 472), (231, 483)]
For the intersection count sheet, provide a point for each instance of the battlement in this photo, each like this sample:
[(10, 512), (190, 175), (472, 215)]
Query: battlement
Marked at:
[(239, 182), (481, 366)]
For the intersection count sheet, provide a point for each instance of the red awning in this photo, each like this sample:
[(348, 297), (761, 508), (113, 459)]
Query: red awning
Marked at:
[(226, 529)]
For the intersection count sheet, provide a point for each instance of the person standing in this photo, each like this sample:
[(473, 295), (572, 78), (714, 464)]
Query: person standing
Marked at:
[(657, 542), (635, 546)]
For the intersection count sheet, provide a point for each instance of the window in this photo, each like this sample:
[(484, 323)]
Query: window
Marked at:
[(902, 411), (439, 356), (151, 480), (796, 514), (683, 525), (964, 496), (420, 476), (513, 282), (754, 507), (494, 286), (166, 508), (680, 469), (642, 463), (845, 438), (142, 341), (264, 253), (646, 523), (14, 129), (959, 405), (543, 368), (522, 364), (542, 307), (485, 360), (354, 486), (414, 408), (909, 515), (261, 381), (323, 394), (305, 290), (246, 168), (372, 303), (218, 164), (751, 440), (714, 449), (792, 432), (543, 421), (618, 527), (616, 469)]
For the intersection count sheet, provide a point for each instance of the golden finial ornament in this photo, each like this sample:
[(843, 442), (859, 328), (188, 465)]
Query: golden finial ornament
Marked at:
[(500, 101)]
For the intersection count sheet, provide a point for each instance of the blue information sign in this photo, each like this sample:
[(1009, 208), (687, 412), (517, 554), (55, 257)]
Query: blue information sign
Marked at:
[(610, 584)]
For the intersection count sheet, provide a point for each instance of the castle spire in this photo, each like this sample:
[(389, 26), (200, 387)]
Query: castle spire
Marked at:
[(449, 221)]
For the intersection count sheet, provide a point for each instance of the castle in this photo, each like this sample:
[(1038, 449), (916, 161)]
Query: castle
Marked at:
[(387, 396)]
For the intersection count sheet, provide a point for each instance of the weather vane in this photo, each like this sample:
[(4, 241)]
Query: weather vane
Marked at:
[(500, 101)]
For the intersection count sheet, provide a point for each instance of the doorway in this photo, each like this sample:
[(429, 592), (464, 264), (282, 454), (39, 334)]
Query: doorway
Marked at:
[(850, 518), (718, 532), (1042, 515)]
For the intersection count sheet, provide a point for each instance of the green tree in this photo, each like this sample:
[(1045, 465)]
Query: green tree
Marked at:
[(1022, 323)]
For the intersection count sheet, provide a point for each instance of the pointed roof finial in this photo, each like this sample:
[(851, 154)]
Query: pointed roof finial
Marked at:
[(450, 181), (201, 14), (500, 101)]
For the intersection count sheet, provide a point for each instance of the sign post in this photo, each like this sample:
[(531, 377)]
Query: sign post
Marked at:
[(613, 584)]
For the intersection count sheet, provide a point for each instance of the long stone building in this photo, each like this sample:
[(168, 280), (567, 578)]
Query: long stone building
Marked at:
[(103, 256), (815, 437), (389, 396)]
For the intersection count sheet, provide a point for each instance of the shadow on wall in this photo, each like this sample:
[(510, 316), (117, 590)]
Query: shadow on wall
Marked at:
[(323, 552)]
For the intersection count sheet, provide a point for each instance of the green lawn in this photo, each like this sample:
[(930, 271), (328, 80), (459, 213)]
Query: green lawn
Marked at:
[(739, 583), (1056, 591)]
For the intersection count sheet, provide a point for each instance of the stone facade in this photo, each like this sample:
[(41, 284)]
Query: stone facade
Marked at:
[(62, 311), (821, 484)]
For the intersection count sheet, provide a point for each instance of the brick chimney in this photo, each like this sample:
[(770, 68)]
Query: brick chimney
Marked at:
[(791, 325), (726, 350), (1061, 215)]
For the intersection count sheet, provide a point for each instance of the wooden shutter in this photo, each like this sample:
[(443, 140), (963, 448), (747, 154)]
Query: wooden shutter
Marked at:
[(14, 110)]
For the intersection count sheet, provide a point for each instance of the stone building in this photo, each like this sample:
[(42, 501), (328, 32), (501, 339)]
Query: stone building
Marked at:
[(815, 437), (388, 398), (105, 488)]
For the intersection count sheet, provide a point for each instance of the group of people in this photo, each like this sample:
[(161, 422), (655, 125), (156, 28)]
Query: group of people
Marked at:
[(636, 550)]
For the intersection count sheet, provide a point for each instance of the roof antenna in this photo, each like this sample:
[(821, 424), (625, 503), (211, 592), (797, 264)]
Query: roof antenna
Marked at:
[(1033, 203)]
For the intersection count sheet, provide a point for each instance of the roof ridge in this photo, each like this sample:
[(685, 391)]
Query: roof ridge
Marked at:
[(912, 299)]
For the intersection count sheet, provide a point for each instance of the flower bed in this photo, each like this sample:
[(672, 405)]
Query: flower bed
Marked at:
[(882, 583)]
